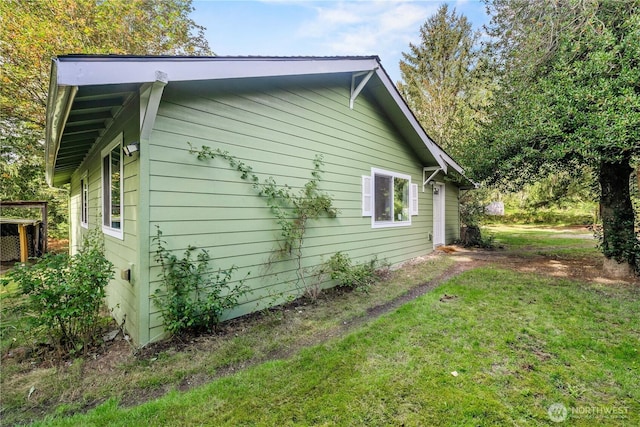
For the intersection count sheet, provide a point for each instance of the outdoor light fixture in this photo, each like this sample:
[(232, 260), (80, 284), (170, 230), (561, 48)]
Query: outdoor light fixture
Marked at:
[(129, 149)]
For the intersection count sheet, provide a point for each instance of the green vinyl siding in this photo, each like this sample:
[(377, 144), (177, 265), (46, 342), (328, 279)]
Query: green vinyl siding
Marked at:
[(451, 214), (122, 297), (277, 129)]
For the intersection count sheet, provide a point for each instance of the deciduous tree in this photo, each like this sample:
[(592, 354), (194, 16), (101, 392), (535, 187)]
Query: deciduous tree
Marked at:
[(569, 97), (33, 32)]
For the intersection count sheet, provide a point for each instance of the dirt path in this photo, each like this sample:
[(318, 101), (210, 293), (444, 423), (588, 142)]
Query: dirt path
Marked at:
[(588, 269)]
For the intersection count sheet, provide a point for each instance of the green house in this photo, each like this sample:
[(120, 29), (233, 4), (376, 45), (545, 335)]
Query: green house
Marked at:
[(119, 128)]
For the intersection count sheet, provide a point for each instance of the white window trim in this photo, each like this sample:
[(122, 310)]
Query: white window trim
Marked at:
[(110, 231), (387, 224), (84, 181)]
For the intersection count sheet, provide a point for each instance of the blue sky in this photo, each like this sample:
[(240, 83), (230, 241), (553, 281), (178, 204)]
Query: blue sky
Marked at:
[(322, 28)]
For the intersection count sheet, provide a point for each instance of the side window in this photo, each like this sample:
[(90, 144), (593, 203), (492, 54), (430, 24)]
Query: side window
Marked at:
[(112, 169), (389, 198), (84, 201)]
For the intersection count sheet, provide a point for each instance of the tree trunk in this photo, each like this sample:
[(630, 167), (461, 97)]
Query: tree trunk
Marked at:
[(619, 243)]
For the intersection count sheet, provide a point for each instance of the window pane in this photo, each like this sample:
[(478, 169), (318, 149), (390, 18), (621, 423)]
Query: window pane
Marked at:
[(106, 191), (400, 199), (84, 201), (383, 198), (115, 187)]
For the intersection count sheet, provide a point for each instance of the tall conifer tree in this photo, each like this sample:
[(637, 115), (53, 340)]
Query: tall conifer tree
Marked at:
[(437, 75)]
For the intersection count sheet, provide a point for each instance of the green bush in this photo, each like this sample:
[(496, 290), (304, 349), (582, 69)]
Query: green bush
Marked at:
[(191, 297), (65, 294), (358, 276)]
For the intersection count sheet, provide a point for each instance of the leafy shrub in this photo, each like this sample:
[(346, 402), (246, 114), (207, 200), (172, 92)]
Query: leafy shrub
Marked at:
[(65, 294), (191, 297), (358, 276)]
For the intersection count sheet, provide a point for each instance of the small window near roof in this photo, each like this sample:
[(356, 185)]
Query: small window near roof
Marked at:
[(112, 169)]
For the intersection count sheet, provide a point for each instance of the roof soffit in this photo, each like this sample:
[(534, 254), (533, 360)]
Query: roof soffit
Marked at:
[(106, 83)]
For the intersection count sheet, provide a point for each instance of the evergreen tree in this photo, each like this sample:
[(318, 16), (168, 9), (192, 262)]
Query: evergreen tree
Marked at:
[(438, 75)]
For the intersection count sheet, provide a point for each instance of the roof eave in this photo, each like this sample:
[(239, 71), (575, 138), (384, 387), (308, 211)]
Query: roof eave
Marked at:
[(82, 71), (70, 72), (58, 106)]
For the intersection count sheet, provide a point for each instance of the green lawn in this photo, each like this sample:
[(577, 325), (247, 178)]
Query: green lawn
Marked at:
[(13, 322), (552, 242), (33, 386), (518, 344)]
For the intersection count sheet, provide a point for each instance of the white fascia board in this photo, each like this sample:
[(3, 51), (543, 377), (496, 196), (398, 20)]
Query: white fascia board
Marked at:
[(58, 105), (452, 163), (100, 71), (393, 91)]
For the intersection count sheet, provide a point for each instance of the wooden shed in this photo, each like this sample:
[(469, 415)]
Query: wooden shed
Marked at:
[(22, 236)]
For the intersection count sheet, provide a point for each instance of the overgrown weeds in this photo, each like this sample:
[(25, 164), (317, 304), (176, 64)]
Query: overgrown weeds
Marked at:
[(360, 277)]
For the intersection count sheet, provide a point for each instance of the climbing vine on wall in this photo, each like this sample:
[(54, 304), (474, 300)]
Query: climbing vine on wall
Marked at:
[(292, 208)]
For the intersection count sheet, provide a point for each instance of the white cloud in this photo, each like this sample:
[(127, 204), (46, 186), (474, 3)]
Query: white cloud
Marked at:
[(404, 16), (381, 27)]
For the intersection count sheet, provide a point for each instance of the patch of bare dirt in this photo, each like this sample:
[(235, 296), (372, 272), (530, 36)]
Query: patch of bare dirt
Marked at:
[(587, 269), (110, 357), (58, 245)]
